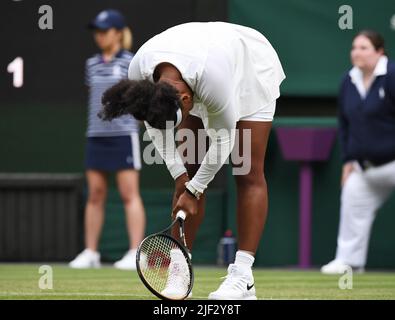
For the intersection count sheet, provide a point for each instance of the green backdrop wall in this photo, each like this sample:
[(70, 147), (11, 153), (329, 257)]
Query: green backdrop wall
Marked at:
[(313, 49)]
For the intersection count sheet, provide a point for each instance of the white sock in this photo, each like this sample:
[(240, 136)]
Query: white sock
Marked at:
[(244, 259)]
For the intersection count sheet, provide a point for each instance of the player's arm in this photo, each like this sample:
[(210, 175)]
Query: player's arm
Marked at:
[(163, 140), (222, 135)]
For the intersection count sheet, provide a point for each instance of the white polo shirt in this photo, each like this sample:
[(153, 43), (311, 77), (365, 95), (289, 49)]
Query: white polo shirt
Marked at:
[(232, 70)]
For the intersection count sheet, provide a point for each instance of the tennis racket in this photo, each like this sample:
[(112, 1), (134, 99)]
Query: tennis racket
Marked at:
[(164, 263)]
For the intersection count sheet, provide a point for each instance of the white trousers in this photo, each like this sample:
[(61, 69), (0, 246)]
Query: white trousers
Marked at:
[(364, 192)]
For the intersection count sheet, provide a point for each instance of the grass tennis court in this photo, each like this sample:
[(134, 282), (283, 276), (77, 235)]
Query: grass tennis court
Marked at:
[(20, 281)]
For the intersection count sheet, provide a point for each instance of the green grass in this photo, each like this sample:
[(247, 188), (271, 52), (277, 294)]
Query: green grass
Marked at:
[(20, 281)]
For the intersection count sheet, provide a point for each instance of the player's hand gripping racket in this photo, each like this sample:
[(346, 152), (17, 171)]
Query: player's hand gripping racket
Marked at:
[(164, 263)]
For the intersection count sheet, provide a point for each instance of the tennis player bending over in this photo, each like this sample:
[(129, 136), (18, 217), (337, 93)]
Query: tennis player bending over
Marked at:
[(218, 77)]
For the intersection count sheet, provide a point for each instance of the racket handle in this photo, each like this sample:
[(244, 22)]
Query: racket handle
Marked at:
[(181, 215)]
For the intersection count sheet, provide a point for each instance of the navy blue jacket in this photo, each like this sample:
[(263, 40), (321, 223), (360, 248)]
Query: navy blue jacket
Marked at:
[(367, 126)]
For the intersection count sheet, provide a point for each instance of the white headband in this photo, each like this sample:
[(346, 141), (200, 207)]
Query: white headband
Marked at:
[(179, 118)]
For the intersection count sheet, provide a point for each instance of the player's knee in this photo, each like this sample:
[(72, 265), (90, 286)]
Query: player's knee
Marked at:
[(251, 180)]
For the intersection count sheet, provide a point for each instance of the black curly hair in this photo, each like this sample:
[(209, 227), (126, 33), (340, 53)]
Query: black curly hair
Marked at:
[(155, 103)]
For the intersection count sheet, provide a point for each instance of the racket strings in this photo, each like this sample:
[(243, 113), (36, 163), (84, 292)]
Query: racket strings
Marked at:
[(163, 265)]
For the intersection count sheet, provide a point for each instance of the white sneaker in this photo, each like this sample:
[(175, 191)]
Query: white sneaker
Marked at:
[(86, 259), (238, 285), (128, 262), (178, 278), (339, 267)]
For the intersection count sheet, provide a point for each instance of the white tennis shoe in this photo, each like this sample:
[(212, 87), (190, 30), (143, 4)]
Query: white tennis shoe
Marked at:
[(238, 285), (86, 259), (178, 277)]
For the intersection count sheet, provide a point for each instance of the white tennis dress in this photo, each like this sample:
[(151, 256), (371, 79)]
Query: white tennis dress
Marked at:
[(233, 71)]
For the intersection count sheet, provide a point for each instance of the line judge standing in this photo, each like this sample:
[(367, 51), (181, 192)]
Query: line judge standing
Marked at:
[(367, 132)]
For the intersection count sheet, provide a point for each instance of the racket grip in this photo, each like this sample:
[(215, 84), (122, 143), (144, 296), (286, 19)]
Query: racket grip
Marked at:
[(181, 215)]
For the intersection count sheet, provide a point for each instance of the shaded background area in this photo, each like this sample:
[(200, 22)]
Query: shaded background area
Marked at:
[(42, 124), (307, 37)]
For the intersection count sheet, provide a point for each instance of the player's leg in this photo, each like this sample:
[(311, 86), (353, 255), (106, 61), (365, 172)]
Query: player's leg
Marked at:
[(252, 206), (94, 219), (128, 186), (252, 197), (194, 124), (360, 199)]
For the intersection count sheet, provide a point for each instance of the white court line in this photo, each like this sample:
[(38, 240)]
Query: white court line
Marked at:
[(81, 294), (4, 294)]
